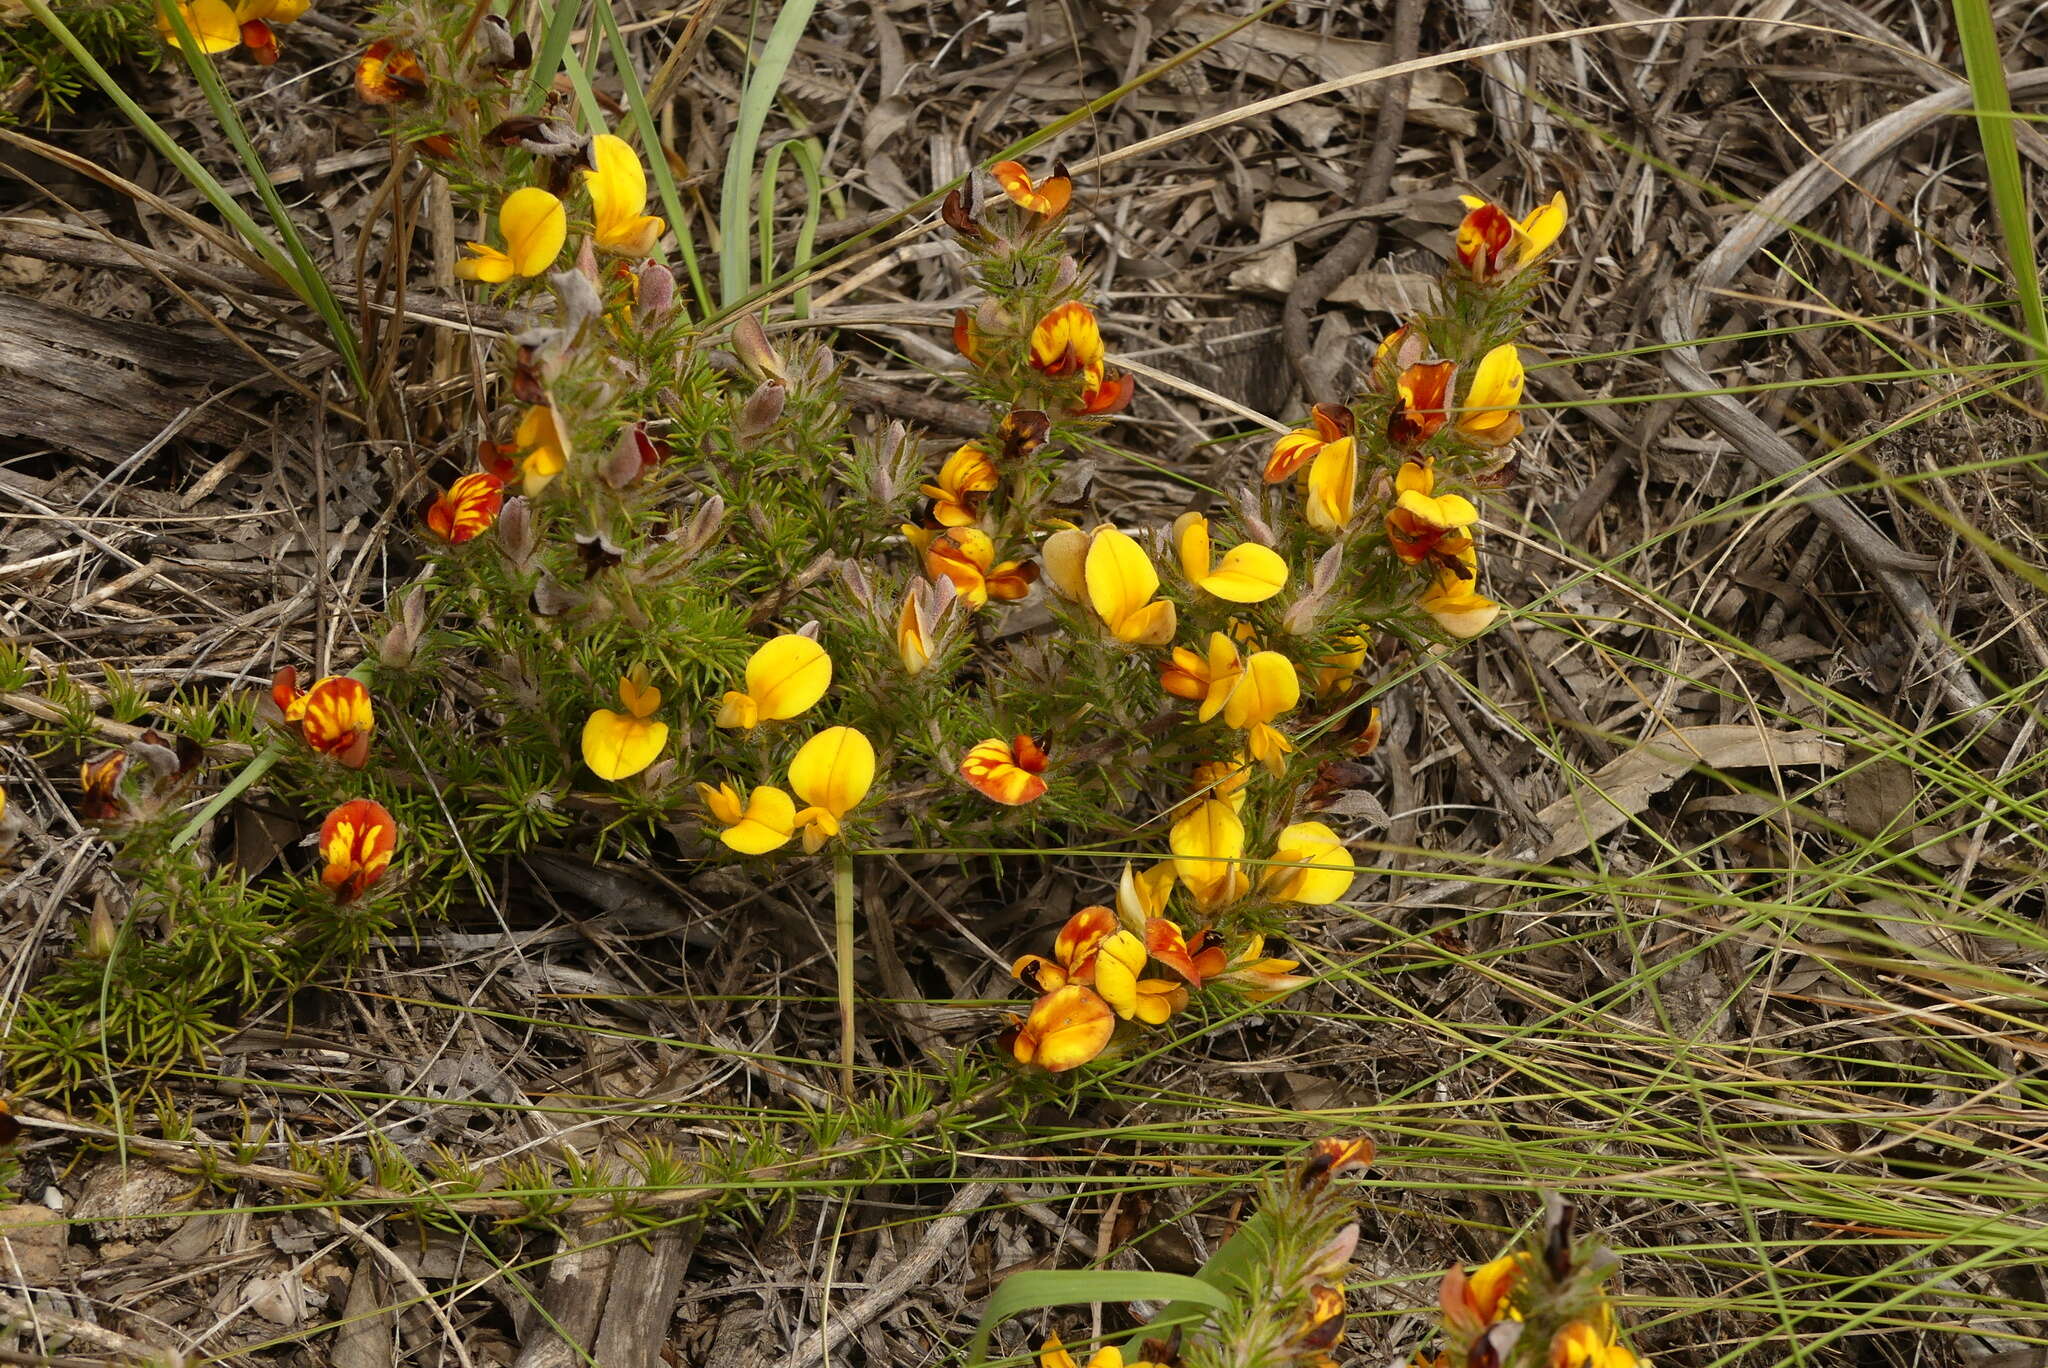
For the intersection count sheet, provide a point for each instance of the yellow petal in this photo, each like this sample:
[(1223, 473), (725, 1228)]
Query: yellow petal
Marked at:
[(1414, 478), (1206, 844), (738, 710), (1152, 625), (1496, 389), (1226, 672), (1120, 578), (485, 263), (617, 747), (1066, 1028), (618, 187), (1064, 557), (788, 676), (1269, 746), (722, 801), (833, 770), (1118, 962), (1250, 573), (212, 22), (1332, 486), (1141, 897), (1330, 867), (1270, 687), (534, 225), (639, 697), (1191, 544), (767, 824), (1541, 229)]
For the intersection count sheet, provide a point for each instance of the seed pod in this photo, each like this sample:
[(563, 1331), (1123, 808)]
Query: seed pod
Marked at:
[(518, 538)]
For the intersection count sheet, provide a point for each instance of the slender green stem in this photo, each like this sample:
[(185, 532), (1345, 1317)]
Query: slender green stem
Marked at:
[(1986, 68), (842, 926)]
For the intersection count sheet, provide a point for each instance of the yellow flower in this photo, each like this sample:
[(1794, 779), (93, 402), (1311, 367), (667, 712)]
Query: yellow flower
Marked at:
[(1423, 523), (1489, 416), (1248, 971), (1223, 780), (1327, 423), (1333, 486), (534, 225), (1121, 585), (1269, 688), (830, 774), (1206, 845), (1118, 963), (1452, 600), (1248, 573), (967, 557), (1053, 1354), (1310, 865), (963, 486), (1590, 1344), (765, 822), (1336, 670), (546, 444), (1473, 1301), (1067, 1028), (917, 624), (220, 27), (785, 678), (1208, 679), (620, 745), (618, 199)]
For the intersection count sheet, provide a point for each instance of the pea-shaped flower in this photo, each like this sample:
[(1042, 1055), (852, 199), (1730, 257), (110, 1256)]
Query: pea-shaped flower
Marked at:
[(831, 774), (785, 678), (534, 225), (618, 199), (620, 745)]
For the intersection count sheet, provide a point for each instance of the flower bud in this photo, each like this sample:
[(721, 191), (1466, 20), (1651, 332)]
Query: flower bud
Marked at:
[(856, 581), (703, 526), (577, 293), (100, 932), (402, 641), (1065, 277), (755, 352), (761, 412), (518, 538), (635, 453), (656, 291)]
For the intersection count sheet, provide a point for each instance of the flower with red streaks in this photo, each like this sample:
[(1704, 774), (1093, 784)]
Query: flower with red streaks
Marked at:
[(356, 842)]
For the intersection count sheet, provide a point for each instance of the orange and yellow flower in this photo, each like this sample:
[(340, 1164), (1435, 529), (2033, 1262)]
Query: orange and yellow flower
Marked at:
[(964, 483), (220, 27), (967, 557), (1473, 1301), (1488, 231), (356, 842), (618, 199), (1067, 341), (1591, 1344), (334, 716), (1114, 574), (1423, 524), (1119, 965), (619, 745), (1010, 772), (785, 678), (1327, 423), (1073, 951), (534, 224), (1046, 198), (1104, 393), (1208, 679), (1248, 572), (1421, 397), (387, 73), (1066, 1028), (467, 508), (917, 623), (1250, 971)]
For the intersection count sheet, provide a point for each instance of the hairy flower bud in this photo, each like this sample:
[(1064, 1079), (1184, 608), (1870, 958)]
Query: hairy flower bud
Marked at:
[(577, 294), (702, 529), (401, 642), (656, 291), (761, 412), (518, 538), (755, 352)]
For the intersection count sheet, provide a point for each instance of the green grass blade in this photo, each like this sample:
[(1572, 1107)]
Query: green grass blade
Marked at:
[(806, 154), (292, 262), (735, 205), (657, 160), (554, 42), (1986, 68), (1036, 1288)]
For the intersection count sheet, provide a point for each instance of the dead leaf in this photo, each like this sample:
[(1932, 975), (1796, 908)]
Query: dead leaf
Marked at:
[(1624, 786), (1276, 53)]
